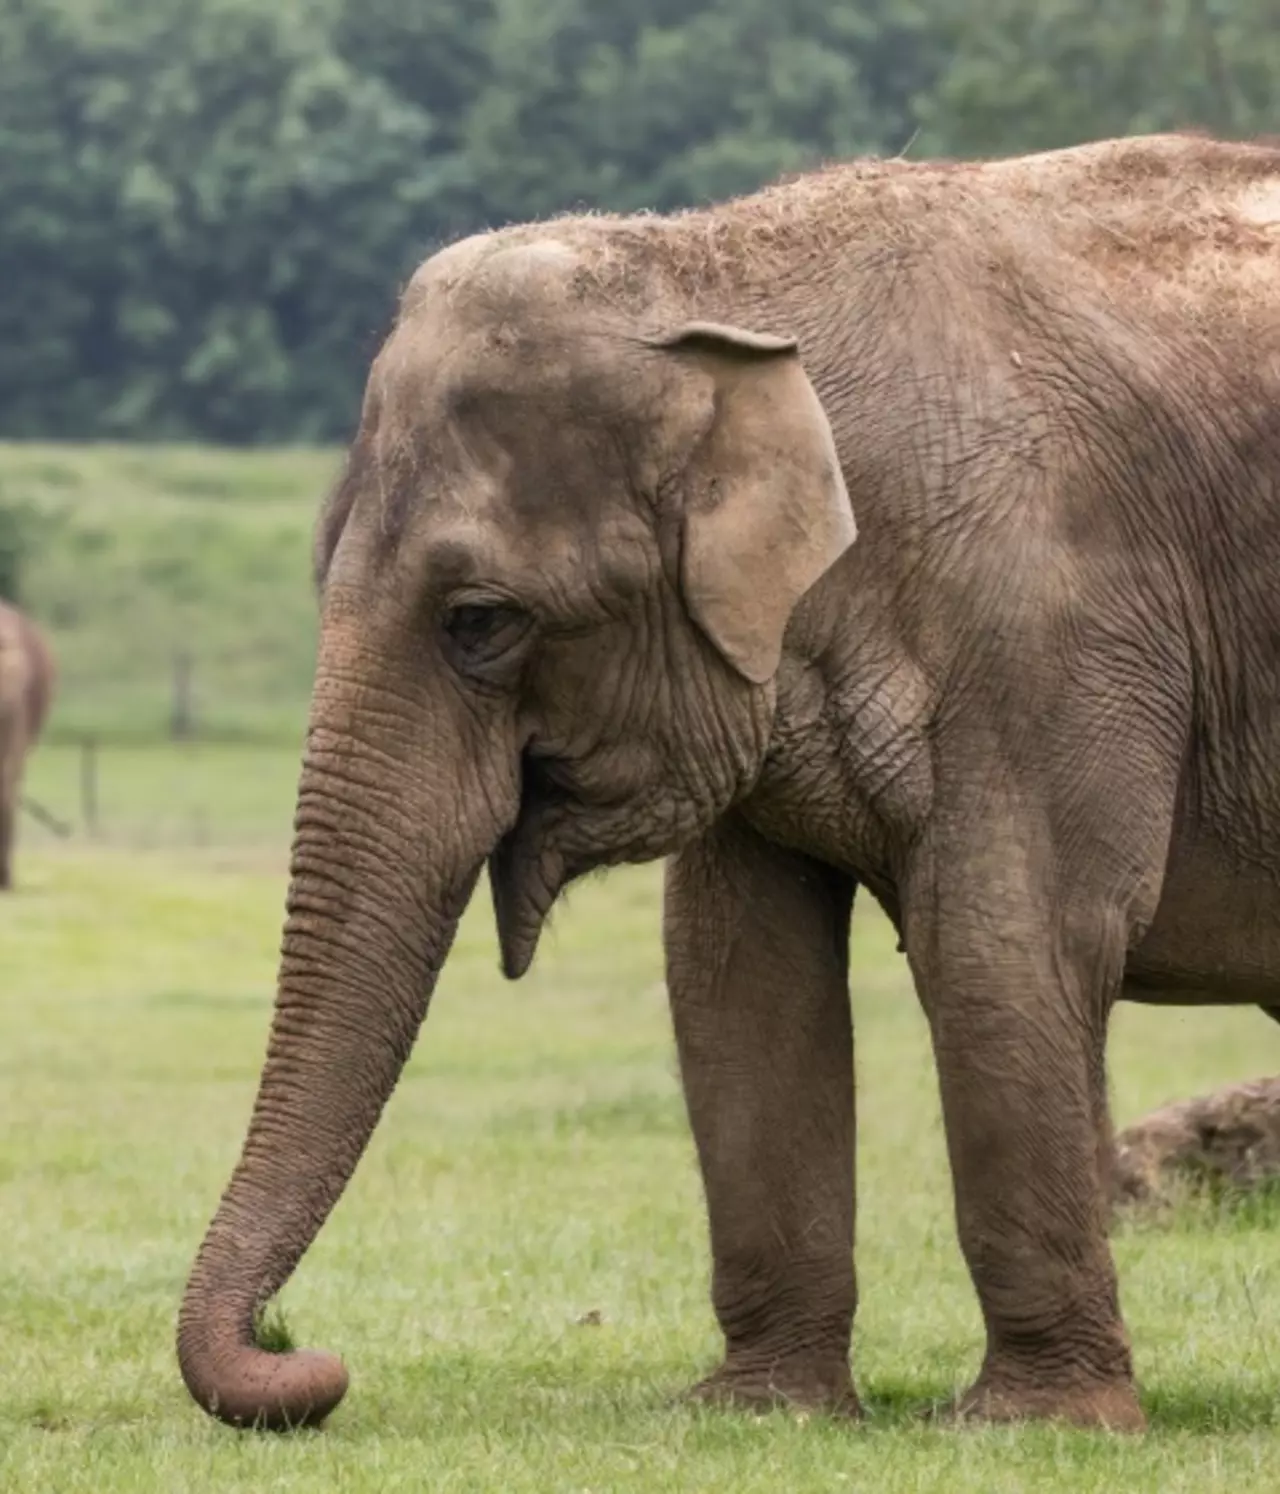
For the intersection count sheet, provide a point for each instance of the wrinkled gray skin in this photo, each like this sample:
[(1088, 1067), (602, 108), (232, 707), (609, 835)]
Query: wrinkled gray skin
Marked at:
[(26, 687), (591, 595)]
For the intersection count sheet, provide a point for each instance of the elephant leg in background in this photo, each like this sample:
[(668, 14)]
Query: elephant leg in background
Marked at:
[(757, 942), (8, 820), (1018, 989), (7, 817)]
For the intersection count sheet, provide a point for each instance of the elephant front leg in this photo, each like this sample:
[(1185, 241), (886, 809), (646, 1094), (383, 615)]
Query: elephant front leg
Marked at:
[(757, 969), (1018, 989)]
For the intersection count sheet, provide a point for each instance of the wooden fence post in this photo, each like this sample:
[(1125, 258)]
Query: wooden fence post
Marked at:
[(89, 784), (182, 713)]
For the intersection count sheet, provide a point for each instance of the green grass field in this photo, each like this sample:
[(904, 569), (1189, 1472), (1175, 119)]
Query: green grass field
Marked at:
[(534, 1167)]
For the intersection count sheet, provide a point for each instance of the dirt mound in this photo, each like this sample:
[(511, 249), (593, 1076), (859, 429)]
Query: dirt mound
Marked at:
[(1230, 1137)]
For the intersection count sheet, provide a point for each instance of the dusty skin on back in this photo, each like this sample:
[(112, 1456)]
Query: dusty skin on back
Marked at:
[(26, 685), (906, 526)]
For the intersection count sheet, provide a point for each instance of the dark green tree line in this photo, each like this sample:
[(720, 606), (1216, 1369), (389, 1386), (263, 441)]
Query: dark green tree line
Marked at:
[(206, 206)]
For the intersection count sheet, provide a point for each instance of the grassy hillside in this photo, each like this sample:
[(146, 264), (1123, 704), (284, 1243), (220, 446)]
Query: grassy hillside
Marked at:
[(141, 553)]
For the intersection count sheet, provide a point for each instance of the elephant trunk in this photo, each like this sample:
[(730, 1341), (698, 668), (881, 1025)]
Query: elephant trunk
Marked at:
[(382, 868)]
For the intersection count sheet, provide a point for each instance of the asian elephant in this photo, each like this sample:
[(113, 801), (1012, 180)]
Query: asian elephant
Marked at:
[(591, 594), (27, 673)]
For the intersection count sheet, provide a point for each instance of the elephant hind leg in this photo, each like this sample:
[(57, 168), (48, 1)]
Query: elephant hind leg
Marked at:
[(8, 813), (1017, 986)]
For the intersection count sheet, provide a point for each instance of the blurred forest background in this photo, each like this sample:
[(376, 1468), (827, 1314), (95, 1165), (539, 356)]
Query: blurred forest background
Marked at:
[(207, 208)]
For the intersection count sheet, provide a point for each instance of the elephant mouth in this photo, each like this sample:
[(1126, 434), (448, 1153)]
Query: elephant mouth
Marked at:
[(527, 872), (557, 839), (524, 890)]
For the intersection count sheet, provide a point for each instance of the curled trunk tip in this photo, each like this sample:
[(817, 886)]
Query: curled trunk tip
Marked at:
[(246, 1386)]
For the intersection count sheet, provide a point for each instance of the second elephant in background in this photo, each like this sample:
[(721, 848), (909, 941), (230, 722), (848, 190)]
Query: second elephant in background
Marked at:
[(27, 676)]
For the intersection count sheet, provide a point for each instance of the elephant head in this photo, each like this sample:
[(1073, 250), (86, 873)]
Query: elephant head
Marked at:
[(555, 579)]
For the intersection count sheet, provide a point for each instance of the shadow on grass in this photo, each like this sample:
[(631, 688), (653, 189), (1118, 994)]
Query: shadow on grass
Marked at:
[(457, 1392), (1208, 1408), (899, 1404), (1212, 1408)]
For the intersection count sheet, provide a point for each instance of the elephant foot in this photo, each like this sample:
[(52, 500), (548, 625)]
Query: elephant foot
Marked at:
[(823, 1389), (1111, 1407)]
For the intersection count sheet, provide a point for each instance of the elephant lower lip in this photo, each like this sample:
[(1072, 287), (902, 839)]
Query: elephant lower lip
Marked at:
[(517, 956), (524, 887)]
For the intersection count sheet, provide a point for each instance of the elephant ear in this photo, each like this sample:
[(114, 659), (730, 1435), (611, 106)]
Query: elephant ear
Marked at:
[(766, 507)]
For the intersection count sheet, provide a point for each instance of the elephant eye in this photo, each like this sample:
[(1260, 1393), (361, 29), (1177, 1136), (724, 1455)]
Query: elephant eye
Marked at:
[(483, 632)]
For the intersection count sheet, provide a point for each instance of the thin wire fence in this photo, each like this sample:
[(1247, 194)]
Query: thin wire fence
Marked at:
[(191, 794)]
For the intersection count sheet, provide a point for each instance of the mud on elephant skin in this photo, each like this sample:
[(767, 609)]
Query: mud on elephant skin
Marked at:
[(591, 593), (27, 675)]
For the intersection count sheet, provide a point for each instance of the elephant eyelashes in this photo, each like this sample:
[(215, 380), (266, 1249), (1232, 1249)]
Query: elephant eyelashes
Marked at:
[(481, 633)]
